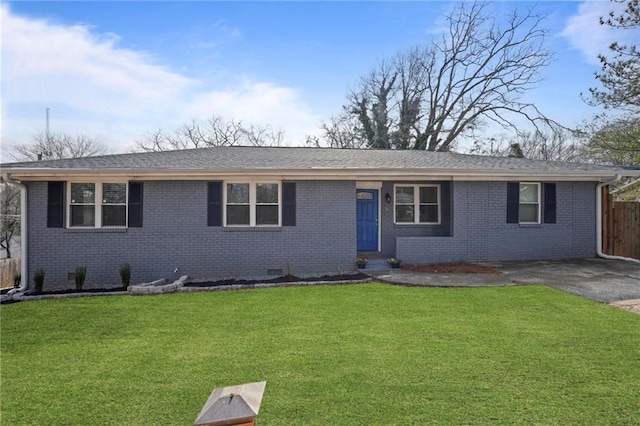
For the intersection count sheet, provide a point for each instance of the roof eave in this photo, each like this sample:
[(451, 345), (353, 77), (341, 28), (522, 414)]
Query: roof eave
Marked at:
[(34, 174)]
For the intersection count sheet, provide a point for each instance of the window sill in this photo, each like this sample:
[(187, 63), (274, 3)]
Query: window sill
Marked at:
[(417, 224), (252, 228), (530, 225), (96, 230)]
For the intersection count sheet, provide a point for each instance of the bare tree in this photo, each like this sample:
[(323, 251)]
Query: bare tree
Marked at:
[(216, 131), (557, 145), (476, 71), (9, 216), (342, 131), (44, 146), (255, 135), (54, 146)]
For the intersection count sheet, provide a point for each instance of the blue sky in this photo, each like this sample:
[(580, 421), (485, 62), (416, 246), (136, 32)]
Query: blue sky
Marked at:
[(115, 70)]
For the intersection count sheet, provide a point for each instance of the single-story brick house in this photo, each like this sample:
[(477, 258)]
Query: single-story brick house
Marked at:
[(246, 211)]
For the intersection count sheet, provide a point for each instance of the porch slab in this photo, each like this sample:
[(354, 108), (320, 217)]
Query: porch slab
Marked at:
[(427, 279)]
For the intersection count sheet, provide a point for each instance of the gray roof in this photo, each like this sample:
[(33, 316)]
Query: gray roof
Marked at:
[(297, 158)]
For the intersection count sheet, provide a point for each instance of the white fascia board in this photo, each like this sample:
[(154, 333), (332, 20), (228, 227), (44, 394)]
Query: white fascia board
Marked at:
[(317, 174), (368, 185)]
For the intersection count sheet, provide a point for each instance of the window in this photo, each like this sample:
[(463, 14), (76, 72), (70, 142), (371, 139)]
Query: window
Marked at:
[(109, 211), (529, 209), (114, 204), (252, 204), (417, 204), (83, 204), (267, 204), (238, 205)]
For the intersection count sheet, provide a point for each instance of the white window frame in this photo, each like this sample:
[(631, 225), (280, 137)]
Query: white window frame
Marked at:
[(252, 203), (416, 203), (97, 203), (539, 203)]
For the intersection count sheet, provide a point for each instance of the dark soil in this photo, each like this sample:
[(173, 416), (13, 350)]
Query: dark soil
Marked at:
[(73, 290), (453, 268), (277, 280), (283, 279)]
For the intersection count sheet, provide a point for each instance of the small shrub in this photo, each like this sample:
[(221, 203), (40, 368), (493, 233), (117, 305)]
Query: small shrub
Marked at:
[(361, 262), (80, 275), (125, 274), (394, 262), (17, 278), (38, 279)]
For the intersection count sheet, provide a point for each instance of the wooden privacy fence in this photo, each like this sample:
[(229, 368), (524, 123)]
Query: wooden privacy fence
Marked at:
[(8, 268), (620, 226)]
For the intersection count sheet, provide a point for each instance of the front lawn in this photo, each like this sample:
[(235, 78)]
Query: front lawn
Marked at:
[(357, 354)]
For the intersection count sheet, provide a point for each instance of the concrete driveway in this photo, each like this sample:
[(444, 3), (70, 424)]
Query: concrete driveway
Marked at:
[(597, 279)]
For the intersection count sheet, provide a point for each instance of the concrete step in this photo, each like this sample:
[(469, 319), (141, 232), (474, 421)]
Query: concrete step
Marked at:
[(377, 264)]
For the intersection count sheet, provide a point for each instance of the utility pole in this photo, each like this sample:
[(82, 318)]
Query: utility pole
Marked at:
[(46, 133), (47, 128)]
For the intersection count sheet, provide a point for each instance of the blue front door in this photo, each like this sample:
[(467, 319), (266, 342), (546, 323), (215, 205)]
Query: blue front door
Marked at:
[(367, 219)]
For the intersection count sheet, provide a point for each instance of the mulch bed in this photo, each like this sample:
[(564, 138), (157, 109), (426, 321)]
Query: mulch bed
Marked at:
[(282, 279), (73, 290), (276, 280), (453, 268)]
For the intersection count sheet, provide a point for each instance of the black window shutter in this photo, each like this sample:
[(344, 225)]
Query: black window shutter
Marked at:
[(513, 202), (214, 204), (55, 205), (549, 190), (288, 204), (135, 204)]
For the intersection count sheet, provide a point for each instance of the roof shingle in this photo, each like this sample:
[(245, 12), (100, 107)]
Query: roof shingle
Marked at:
[(295, 158)]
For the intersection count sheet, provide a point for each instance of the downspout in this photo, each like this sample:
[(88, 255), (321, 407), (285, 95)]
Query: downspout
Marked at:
[(599, 224), (24, 279)]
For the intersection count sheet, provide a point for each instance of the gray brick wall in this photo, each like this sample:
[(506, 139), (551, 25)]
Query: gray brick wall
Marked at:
[(175, 235), (480, 231), (391, 232)]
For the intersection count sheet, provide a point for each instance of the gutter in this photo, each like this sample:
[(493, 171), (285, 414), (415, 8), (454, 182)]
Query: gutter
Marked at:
[(24, 280), (317, 173), (599, 224)]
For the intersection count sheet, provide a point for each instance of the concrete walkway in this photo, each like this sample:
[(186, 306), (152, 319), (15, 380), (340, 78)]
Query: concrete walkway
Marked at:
[(597, 279)]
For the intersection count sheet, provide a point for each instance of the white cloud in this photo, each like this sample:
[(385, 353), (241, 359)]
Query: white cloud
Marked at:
[(217, 33), (49, 63), (585, 33), (95, 87), (260, 103)]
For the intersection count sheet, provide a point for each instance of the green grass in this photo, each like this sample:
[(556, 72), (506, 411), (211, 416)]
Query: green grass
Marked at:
[(359, 354)]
